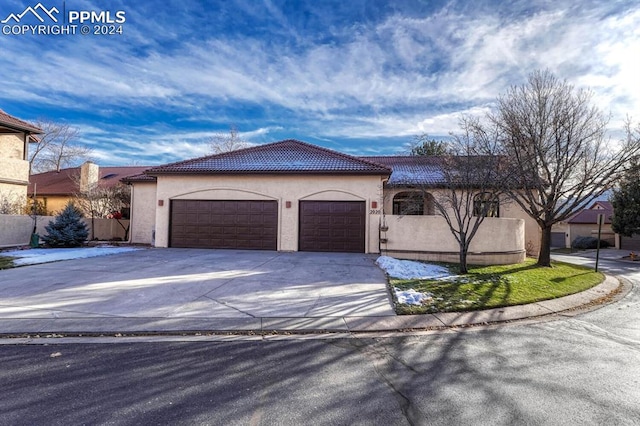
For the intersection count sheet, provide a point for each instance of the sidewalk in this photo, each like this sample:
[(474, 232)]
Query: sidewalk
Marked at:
[(21, 329), (607, 253)]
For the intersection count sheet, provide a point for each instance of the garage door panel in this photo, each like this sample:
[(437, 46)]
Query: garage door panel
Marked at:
[(630, 243), (337, 226), (224, 224)]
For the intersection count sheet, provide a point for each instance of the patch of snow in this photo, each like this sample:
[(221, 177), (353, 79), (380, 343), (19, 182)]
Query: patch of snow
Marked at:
[(36, 256), (409, 269), (411, 297)]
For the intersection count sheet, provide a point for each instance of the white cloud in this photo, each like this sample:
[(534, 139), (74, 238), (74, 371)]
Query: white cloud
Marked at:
[(397, 77)]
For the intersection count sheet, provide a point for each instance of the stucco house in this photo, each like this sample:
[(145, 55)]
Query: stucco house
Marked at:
[(15, 135), (585, 224), (54, 189), (295, 196)]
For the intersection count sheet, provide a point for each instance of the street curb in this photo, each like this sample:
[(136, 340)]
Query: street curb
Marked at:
[(106, 330)]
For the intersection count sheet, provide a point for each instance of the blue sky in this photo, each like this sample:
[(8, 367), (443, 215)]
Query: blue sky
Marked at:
[(357, 76)]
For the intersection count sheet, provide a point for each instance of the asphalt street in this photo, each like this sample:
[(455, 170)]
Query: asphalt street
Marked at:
[(578, 370)]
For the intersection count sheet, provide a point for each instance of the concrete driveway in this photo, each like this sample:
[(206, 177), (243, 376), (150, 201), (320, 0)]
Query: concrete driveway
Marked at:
[(195, 284)]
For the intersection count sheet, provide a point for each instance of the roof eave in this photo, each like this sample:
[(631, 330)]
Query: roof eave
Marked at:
[(24, 129), (268, 172)]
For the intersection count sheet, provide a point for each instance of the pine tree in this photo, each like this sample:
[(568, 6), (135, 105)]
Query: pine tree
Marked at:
[(68, 229), (422, 145), (626, 203)]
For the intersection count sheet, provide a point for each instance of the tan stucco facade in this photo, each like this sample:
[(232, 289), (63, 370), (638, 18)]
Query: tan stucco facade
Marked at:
[(281, 188), (497, 241), (14, 167), (54, 204), (532, 231), (143, 213), (508, 210)]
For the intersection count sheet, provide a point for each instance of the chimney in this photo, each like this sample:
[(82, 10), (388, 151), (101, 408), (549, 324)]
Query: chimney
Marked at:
[(89, 174)]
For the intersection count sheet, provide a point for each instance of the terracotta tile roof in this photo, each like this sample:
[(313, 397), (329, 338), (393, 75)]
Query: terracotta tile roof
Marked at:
[(139, 178), (64, 182), (411, 170), (590, 216), (284, 157), (14, 123)]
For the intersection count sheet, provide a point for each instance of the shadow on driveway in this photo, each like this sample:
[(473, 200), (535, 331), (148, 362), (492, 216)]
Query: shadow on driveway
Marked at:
[(195, 283)]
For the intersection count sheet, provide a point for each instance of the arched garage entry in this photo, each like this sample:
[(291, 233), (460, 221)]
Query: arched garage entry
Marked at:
[(332, 226), (224, 224)]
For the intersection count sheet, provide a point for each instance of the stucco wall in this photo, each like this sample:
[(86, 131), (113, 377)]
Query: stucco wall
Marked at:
[(14, 169), (498, 240), (108, 229), (143, 213), (15, 230), (293, 188), (508, 209), (532, 232), (12, 146)]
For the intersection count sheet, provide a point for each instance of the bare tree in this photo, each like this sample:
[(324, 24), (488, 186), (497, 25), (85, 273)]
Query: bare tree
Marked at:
[(56, 148), (226, 142), (97, 201), (11, 203), (471, 190), (558, 150)]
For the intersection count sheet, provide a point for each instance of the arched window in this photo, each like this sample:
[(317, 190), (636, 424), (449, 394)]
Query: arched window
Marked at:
[(486, 204), (413, 203)]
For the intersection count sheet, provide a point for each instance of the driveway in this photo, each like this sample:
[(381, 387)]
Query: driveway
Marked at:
[(196, 284)]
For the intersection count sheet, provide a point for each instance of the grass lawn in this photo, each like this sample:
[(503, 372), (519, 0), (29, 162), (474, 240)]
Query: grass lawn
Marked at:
[(495, 286), (6, 262)]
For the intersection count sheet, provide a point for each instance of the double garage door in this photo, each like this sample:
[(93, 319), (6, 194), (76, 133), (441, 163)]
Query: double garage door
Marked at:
[(224, 224), (323, 225)]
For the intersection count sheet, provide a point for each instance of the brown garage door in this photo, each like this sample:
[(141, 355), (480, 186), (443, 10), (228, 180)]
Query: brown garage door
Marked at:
[(630, 243), (337, 226), (224, 224), (557, 239)]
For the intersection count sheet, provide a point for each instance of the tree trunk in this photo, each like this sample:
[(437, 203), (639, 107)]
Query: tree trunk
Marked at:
[(463, 259), (125, 228), (544, 258)]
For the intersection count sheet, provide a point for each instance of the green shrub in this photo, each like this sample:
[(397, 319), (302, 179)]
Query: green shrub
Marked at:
[(588, 243)]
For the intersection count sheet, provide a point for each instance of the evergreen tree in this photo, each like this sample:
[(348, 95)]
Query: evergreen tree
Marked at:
[(68, 229), (626, 203), (423, 145)]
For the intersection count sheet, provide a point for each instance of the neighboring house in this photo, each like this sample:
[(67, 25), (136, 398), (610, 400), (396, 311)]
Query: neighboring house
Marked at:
[(15, 135), (585, 224), (54, 189), (294, 196)]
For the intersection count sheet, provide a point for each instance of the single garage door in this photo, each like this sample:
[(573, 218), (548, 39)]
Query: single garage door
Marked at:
[(630, 243), (224, 224), (557, 239), (337, 226)]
